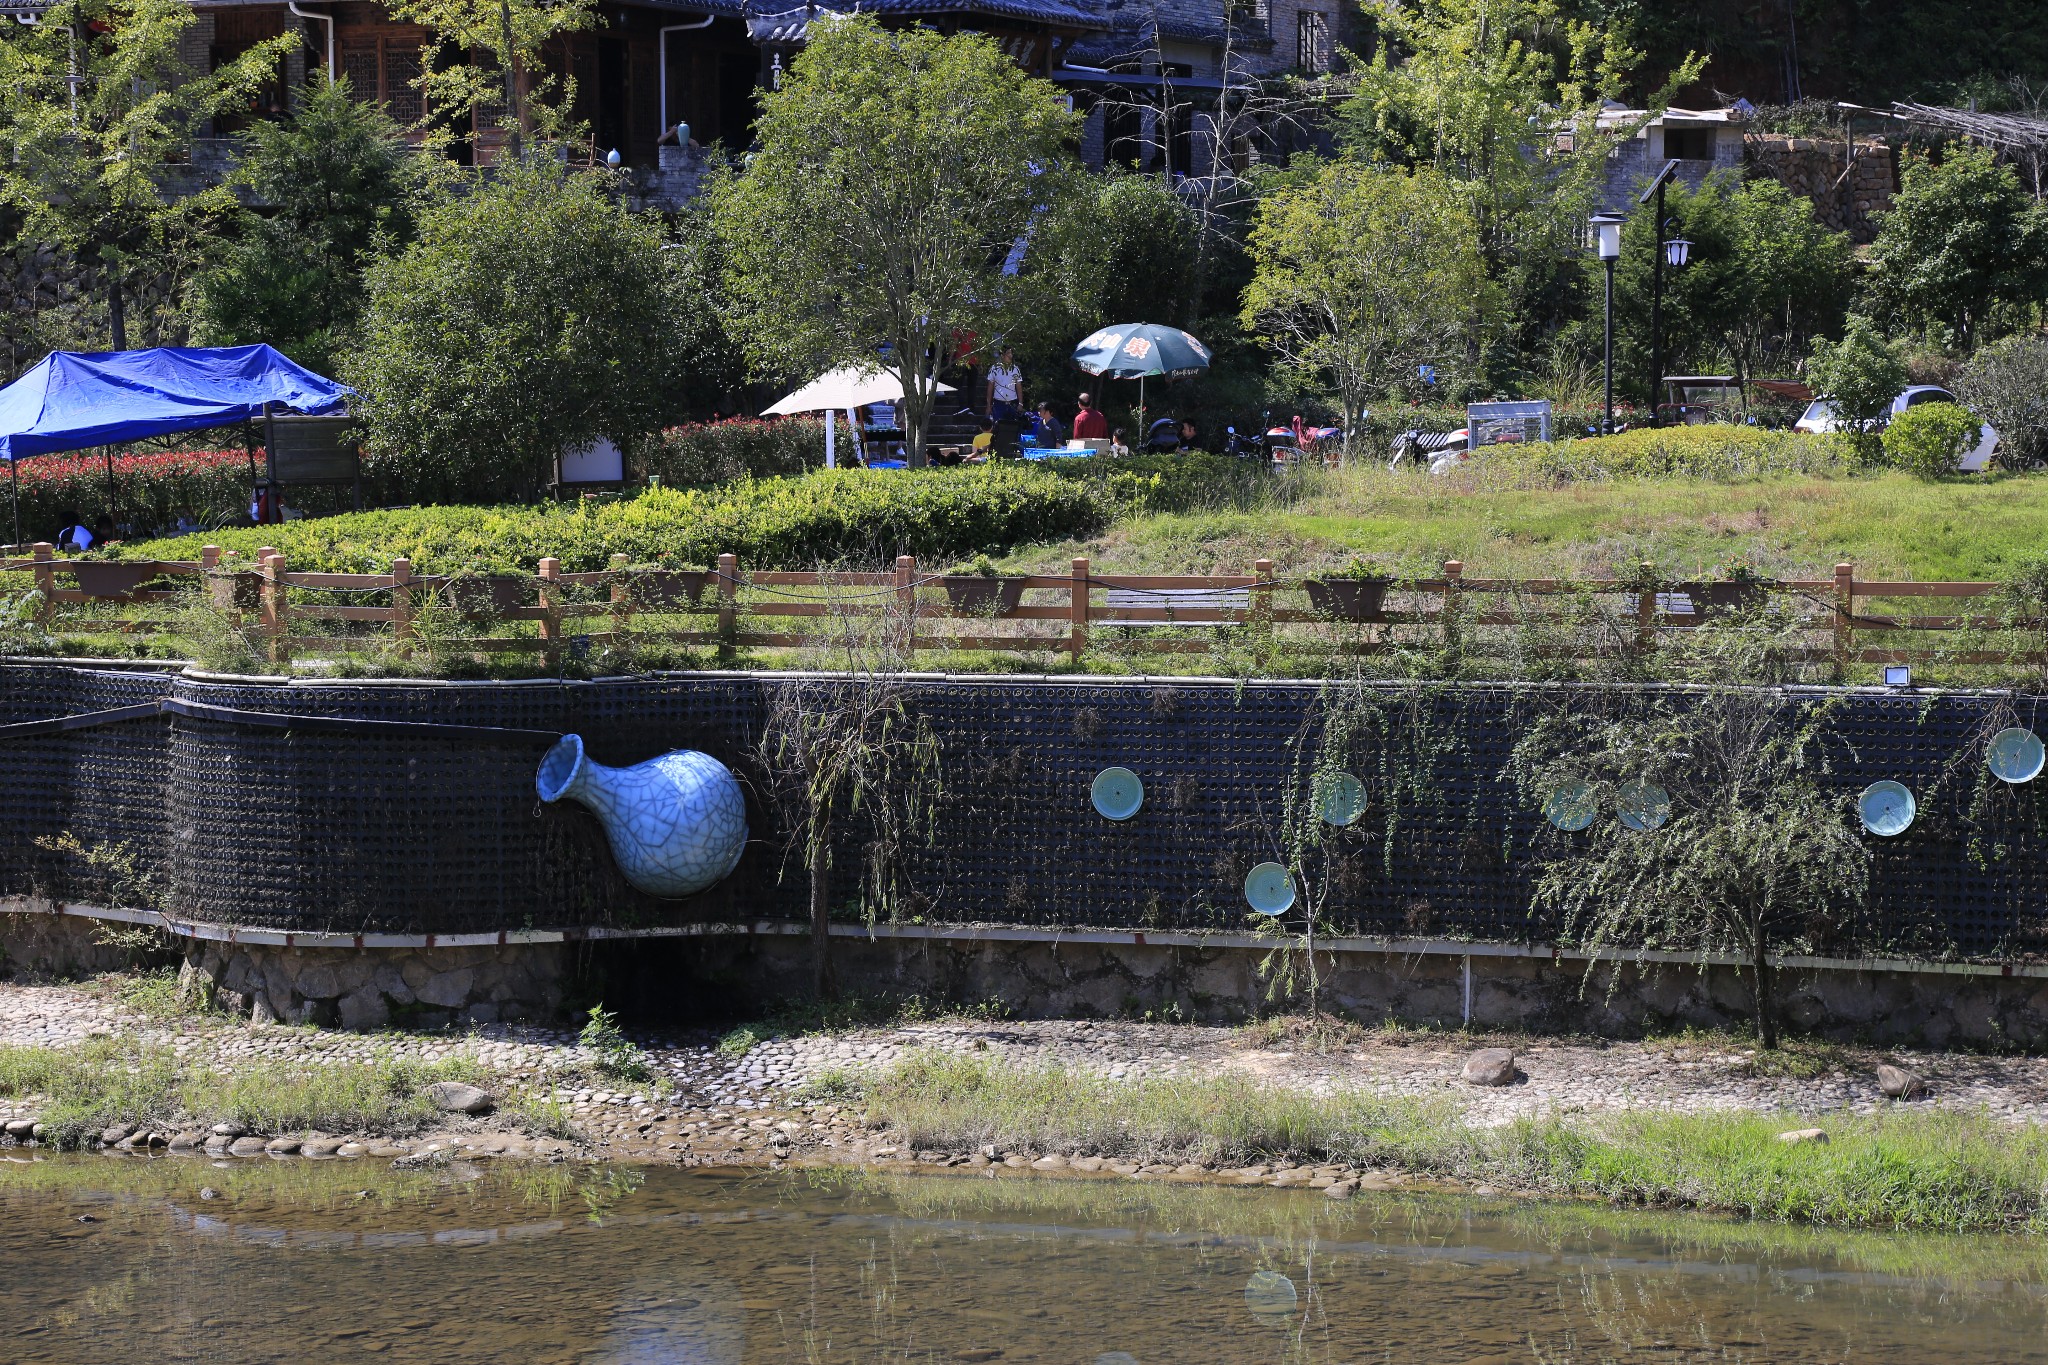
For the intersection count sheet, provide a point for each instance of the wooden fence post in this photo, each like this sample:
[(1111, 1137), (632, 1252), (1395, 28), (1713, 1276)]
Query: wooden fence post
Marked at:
[(728, 604), (276, 610), (1077, 609), (1261, 612), (1845, 617), (1454, 573), (906, 603), (401, 605), (551, 609), (46, 582), (1646, 610), (622, 601), (220, 589)]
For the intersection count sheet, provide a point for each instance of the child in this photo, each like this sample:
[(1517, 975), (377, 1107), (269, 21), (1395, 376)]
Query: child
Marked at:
[(1118, 446), (983, 440)]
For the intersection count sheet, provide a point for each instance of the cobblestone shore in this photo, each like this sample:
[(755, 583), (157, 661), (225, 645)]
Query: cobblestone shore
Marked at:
[(716, 1108)]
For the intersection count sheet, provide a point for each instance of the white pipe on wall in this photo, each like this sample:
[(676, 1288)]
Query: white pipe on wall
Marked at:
[(661, 37), (327, 19)]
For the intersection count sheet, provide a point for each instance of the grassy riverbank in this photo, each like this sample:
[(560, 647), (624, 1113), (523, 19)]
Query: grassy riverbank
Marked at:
[(85, 1089), (1920, 1168)]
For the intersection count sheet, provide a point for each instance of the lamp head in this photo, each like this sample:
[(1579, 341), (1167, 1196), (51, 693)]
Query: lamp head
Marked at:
[(1677, 251), (1607, 235), (612, 158)]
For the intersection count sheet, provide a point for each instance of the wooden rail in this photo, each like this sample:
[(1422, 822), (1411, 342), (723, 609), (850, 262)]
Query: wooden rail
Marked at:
[(552, 612)]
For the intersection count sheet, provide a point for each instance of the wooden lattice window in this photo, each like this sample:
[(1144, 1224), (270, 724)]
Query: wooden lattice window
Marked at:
[(1312, 42), (382, 71)]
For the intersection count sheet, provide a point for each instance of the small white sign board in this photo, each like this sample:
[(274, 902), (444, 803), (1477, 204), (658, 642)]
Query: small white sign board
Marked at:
[(599, 462)]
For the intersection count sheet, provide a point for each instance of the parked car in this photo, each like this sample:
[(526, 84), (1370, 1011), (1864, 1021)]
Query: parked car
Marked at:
[(1820, 417)]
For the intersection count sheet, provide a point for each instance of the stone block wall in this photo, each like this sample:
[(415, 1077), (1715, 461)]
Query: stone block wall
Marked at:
[(1224, 984), (365, 988), (1847, 189)]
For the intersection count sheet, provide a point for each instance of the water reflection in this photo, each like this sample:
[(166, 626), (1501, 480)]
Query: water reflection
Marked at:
[(569, 1266), (695, 1323)]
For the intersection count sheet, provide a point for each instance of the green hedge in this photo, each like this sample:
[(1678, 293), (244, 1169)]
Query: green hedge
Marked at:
[(701, 454), (1708, 451), (857, 516)]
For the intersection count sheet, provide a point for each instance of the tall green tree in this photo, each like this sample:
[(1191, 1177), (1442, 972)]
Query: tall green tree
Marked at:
[(530, 316), (897, 171), (1763, 279), (486, 66), (337, 182), (1502, 96), (1963, 252), (1362, 274), (98, 111), (1860, 374)]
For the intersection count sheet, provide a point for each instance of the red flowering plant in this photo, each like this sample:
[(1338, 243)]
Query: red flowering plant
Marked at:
[(150, 491)]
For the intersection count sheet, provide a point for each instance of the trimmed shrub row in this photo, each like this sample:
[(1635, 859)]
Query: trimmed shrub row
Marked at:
[(855, 516)]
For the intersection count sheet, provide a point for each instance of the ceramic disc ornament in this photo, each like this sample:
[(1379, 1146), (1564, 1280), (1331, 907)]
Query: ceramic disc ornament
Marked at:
[(1642, 805), (1271, 1296), (1269, 889), (2015, 755), (1117, 793), (1343, 800), (1886, 808), (1571, 807)]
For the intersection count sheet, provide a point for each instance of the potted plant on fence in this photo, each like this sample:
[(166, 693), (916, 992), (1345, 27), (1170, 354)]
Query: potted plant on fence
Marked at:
[(1740, 587), (1357, 592), (977, 589)]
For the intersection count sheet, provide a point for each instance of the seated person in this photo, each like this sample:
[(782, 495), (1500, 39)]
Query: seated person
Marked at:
[(983, 440), (1047, 428), (76, 535), (1190, 439), (1117, 444)]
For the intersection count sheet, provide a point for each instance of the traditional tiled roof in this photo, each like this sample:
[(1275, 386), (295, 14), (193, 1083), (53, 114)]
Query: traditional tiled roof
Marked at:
[(772, 22)]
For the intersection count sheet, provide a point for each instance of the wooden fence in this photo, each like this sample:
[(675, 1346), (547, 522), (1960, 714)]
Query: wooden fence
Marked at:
[(291, 612)]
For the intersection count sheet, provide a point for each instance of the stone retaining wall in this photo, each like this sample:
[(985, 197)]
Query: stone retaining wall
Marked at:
[(737, 975), (1846, 190), (1534, 994)]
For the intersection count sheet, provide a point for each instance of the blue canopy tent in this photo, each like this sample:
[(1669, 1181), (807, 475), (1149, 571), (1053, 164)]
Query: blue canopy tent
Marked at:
[(75, 400)]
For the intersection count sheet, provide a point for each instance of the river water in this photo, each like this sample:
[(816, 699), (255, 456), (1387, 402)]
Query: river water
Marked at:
[(105, 1259)]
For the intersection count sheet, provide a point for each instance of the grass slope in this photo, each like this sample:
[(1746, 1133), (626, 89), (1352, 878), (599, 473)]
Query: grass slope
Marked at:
[(1512, 522)]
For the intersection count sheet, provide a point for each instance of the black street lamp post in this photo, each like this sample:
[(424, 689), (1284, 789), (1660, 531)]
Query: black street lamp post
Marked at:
[(1607, 240), (1674, 252)]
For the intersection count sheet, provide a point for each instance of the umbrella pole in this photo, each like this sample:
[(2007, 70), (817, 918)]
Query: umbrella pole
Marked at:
[(831, 426)]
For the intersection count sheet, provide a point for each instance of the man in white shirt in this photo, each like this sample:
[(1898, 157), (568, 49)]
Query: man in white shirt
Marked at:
[(1005, 388)]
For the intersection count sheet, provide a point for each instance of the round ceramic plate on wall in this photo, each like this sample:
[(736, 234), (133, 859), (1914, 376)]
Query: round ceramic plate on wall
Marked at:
[(1117, 793), (2015, 755), (1571, 807), (1343, 800), (1269, 890), (1886, 808), (1642, 805)]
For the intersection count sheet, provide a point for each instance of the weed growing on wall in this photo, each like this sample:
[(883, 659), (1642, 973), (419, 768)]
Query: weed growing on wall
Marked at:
[(844, 746)]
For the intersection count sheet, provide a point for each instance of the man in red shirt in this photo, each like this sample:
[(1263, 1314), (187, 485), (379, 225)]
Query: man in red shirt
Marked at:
[(1089, 424)]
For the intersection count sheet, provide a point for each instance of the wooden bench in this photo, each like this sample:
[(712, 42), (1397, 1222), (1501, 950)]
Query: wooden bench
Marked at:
[(1173, 601)]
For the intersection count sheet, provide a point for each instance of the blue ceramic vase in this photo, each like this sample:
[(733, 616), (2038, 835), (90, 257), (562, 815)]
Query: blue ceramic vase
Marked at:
[(677, 824)]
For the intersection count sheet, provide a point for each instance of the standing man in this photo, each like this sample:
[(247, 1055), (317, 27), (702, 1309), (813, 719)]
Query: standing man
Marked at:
[(1005, 388), (1089, 424)]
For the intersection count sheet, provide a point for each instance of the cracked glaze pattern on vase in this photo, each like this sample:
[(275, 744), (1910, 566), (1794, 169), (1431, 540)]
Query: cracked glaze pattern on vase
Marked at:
[(677, 824)]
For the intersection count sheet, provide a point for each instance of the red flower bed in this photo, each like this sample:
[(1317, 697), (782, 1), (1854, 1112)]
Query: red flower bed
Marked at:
[(151, 490)]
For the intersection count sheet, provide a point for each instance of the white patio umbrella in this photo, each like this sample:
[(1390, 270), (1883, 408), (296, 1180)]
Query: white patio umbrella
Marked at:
[(849, 386)]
